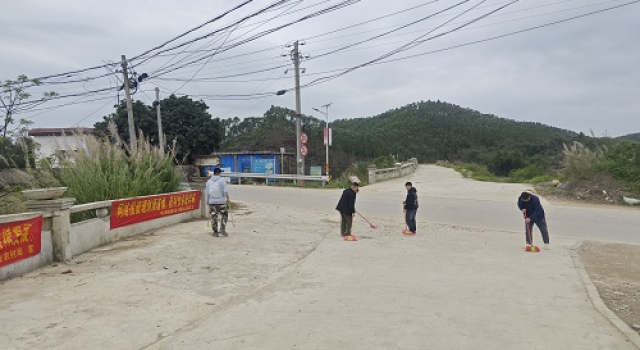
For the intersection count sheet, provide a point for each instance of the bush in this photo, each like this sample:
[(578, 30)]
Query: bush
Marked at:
[(623, 161), (504, 162), (107, 170), (527, 173), (475, 171), (385, 162), (581, 163)]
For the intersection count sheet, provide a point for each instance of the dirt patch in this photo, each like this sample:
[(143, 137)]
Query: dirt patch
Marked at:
[(615, 271), (601, 189)]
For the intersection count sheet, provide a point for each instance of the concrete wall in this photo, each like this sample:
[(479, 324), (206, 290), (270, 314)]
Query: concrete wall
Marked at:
[(44, 258), (400, 170)]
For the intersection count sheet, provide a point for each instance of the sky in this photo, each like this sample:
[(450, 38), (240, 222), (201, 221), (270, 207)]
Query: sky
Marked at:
[(582, 75)]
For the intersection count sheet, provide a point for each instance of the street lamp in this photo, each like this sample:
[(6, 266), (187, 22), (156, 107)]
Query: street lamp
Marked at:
[(326, 135)]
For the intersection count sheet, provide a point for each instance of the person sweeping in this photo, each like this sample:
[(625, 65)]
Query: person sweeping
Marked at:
[(410, 208), (347, 208), (530, 206)]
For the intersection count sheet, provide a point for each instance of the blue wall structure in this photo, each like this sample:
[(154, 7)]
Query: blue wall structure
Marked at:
[(249, 163)]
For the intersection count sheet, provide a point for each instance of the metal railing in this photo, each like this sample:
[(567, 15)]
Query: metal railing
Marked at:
[(292, 177)]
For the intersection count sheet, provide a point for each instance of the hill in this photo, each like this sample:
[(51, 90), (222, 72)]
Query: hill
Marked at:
[(435, 130), (430, 131), (632, 137)]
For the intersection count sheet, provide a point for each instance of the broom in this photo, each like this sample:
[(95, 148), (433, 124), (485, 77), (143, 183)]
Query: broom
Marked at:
[(530, 248)]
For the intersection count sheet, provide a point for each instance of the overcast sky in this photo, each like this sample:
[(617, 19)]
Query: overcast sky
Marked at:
[(580, 75)]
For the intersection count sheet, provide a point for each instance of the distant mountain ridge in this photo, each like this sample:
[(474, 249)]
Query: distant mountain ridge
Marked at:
[(632, 137), (428, 130), (435, 130)]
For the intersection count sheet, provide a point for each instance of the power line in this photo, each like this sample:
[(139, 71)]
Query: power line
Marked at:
[(340, 5), (350, 48), (217, 18), (385, 61)]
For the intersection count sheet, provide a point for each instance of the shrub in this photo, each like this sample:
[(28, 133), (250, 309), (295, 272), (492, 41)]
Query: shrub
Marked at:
[(108, 169), (581, 163)]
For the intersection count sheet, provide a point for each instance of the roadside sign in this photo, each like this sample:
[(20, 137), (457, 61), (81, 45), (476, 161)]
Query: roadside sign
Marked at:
[(303, 150), (326, 135), (303, 138)]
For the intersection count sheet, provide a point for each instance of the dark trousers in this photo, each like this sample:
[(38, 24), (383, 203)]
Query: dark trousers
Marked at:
[(410, 218), (542, 226), (345, 224)]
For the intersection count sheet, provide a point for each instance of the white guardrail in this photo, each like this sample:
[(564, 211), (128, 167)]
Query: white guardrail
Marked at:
[(276, 176)]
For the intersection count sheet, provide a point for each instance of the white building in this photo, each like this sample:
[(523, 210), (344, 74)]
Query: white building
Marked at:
[(55, 140)]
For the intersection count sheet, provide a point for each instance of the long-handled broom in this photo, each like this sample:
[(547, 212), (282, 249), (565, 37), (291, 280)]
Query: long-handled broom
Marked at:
[(406, 226), (365, 219), (530, 248)]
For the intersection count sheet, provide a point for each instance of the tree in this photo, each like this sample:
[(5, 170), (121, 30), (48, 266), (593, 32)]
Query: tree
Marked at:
[(12, 97), (186, 124)]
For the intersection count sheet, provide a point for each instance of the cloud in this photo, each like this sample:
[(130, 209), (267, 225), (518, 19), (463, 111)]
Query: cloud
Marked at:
[(578, 75)]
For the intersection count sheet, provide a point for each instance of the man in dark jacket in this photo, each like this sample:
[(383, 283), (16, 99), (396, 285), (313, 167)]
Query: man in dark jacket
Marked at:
[(530, 206), (347, 208), (411, 207)]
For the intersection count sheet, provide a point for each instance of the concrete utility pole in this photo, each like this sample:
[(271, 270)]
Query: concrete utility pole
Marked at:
[(296, 61), (133, 143), (326, 135), (160, 135)]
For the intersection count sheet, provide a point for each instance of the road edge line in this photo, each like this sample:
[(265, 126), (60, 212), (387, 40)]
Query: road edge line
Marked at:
[(597, 301)]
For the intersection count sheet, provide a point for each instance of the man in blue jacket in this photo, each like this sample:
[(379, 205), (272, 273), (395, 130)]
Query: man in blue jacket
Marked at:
[(411, 207), (217, 195), (347, 208), (530, 206)]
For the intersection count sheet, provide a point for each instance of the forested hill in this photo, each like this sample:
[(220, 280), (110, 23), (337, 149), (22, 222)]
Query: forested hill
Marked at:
[(632, 137), (430, 131)]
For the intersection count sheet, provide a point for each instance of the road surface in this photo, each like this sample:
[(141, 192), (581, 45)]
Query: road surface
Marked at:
[(284, 279)]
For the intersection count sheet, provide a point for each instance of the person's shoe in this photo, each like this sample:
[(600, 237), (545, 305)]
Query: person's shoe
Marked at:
[(224, 234), (215, 234), (546, 246)]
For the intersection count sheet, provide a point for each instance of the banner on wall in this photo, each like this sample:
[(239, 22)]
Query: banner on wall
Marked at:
[(20, 240), (132, 211)]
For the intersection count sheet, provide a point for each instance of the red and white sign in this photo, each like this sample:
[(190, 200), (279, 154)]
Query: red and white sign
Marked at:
[(132, 211), (20, 240), (303, 150), (303, 138), (326, 135)]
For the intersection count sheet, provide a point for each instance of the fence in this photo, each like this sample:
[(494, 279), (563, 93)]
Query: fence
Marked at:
[(275, 177), (61, 240), (400, 170)]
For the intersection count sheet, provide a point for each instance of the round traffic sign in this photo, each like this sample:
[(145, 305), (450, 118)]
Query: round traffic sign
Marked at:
[(303, 150), (303, 137)]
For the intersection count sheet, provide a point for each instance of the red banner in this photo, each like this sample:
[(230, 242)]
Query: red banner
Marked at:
[(20, 240), (133, 211)]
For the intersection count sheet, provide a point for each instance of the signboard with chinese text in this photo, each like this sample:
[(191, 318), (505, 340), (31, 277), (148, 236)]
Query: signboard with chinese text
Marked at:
[(20, 240), (132, 211)]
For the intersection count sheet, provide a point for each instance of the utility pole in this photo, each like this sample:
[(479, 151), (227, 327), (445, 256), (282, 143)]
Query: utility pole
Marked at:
[(326, 135), (133, 143), (296, 61), (160, 135)]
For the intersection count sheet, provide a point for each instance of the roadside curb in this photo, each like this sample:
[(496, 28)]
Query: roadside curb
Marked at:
[(597, 301)]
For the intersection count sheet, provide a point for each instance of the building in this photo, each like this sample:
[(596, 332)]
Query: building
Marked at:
[(261, 162), (58, 140)]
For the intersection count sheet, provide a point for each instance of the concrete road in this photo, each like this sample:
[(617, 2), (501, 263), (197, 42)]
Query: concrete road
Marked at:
[(447, 198), (285, 280)]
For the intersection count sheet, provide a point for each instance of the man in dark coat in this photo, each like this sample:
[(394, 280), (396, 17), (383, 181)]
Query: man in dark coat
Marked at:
[(530, 206), (411, 207), (347, 208)]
